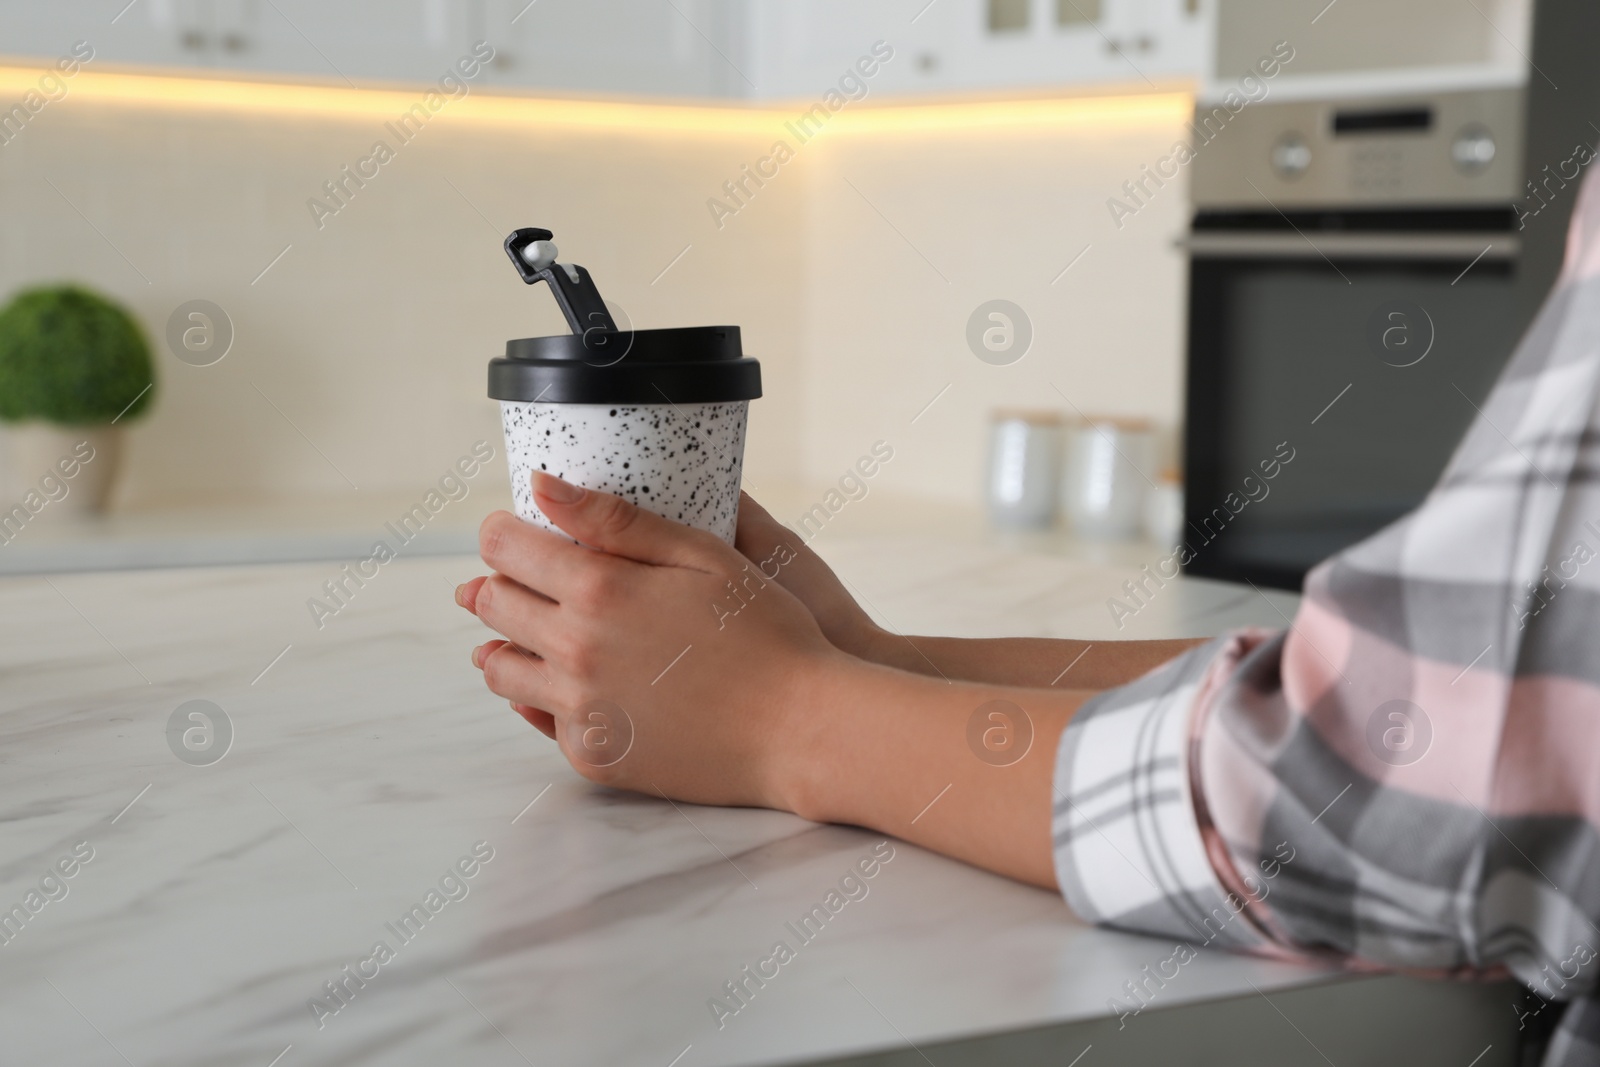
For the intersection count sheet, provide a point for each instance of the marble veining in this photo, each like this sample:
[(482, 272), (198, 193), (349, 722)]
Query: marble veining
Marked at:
[(367, 759)]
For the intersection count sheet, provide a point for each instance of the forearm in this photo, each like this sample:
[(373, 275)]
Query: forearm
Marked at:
[(1026, 661), (1001, 661), (899, 753)]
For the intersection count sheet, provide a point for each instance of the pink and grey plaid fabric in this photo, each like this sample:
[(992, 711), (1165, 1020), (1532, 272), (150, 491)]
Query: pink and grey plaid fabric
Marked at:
[(1410, 775)]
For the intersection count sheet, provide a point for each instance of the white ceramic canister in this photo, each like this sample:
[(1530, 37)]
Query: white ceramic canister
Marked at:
[(1108, 460), (1024, 469), (1163, 509)]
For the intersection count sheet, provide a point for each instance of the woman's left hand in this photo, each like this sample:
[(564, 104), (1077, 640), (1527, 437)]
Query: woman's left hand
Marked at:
[(659, 658)]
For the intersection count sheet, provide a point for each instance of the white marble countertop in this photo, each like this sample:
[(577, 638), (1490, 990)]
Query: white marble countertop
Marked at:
[(367, 759), (201, 533)]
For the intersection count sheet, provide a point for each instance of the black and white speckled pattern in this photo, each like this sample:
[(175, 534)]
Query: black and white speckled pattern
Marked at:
[(683, 461)]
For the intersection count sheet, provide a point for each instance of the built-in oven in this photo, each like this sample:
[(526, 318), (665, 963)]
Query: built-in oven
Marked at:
[(1355, 274)]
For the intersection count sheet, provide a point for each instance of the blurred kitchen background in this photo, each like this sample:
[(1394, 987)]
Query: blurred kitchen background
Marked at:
[(983, 159)]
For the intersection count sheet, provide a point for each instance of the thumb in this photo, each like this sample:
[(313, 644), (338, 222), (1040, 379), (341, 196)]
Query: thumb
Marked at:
[(611, 524)]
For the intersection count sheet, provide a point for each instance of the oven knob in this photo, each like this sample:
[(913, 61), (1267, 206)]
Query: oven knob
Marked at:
[(1291, 156), (1473, 149)]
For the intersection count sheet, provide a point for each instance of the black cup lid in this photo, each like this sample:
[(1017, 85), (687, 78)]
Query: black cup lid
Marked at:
[(685, 365)]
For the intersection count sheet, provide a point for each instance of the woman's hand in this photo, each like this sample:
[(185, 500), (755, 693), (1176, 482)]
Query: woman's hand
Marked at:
[(664, 661), (765, 541), (659, 658), (1024, 661)]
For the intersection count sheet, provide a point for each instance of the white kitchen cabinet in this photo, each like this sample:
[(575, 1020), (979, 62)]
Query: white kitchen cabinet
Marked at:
[(649, 47), (355, 40), (728, 49), (687, 48), (944, 46), (223, 35)]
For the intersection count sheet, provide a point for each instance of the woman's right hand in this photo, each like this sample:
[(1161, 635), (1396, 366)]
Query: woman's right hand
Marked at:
[(767, 543)]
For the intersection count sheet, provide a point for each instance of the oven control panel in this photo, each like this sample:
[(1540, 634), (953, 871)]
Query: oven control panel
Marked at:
[(1435, 149)]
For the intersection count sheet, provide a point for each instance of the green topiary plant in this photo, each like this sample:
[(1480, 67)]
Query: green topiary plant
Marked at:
[(72, 357)]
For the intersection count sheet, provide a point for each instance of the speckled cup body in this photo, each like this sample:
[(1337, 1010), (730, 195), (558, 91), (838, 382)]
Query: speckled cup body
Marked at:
[(683, 461)]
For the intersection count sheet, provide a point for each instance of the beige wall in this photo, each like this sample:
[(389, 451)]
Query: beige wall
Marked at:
[(371, 334), (999, 214)]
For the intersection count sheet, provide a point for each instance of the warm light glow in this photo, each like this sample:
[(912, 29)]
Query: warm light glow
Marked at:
[(277, 98), (1143, 109)]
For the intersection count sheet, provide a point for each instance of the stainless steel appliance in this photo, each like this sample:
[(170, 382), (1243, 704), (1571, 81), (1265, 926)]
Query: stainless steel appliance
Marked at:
[(1360, 269)]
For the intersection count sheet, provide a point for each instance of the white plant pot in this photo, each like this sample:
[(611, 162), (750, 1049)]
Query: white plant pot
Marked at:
[(65, 470)]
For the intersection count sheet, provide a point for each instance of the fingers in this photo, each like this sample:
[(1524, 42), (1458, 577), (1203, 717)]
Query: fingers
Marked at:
[(755, 525), (750, 510), (517, 613), (613, 525), (772, 546), (481, 654), (542, 561), (538, 718), (542, 721), (467, 593), (513, 673), (759, 533)]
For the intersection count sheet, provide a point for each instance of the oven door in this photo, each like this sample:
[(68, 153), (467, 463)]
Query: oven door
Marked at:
[(1330, 377)]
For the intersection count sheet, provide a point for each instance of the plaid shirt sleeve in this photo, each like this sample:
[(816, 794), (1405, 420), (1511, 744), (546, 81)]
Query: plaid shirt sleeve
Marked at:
[(1409, 776)]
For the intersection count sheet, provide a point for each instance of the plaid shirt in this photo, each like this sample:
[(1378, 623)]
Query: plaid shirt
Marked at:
[(1409, 777)]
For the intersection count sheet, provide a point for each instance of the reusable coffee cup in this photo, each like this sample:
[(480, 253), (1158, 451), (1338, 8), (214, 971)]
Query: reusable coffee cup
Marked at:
[(656, 417)]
